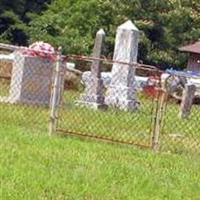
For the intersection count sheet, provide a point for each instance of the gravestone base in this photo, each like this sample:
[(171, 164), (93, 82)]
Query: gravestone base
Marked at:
[(123, 98), (93, 96), (93, 105), (95, 102)]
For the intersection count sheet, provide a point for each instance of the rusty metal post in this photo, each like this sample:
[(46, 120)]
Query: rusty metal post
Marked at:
[(55, 96), (157, 126)]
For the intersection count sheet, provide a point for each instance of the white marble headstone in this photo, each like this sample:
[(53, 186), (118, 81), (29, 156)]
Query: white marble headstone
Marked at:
[(31, 80), (93, 95), (122, 92)]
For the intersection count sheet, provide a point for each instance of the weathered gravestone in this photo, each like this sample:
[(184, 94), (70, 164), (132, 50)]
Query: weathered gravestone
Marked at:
[(31, 80), (93, 95), (187, 100), (122, 92)]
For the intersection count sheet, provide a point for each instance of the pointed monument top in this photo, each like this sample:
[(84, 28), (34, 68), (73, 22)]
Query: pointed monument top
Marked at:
[(128, 25), (101, 32)]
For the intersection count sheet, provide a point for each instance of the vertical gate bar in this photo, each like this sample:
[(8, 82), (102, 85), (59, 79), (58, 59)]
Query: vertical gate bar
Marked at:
[(158, 119), (154, 117), (55, 94)]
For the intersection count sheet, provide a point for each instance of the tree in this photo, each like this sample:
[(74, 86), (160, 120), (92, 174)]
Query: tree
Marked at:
[(14, 17), (165, 25)]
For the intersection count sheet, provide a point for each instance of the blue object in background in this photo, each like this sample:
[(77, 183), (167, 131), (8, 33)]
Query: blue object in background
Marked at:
[(183, 73)]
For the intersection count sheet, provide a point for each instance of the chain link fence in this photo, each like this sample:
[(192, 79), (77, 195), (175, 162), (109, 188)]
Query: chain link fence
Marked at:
[(86, 110), (71, 95), (180, 131), (25, 91)]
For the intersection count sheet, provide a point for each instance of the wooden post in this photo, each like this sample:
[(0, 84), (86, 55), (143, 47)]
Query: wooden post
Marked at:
[(161, 104), (55, 95), (187, 100)]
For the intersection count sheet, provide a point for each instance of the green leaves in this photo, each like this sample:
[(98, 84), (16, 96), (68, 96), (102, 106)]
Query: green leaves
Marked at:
[(166, 25), (14, 17)]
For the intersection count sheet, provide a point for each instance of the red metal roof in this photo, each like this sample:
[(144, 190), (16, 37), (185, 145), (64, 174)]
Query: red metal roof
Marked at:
[(192, 48)]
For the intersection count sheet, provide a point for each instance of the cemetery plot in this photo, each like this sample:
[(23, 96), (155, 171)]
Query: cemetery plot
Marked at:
[(109, 123), (25, 118), (101, 98), (114, 112)]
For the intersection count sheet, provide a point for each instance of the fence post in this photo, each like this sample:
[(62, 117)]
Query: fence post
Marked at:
[(161, 103), (187, 100), (55, 94)]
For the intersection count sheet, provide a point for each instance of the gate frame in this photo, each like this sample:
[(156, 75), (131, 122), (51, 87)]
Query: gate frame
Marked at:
[(56, 94), (157, 115)]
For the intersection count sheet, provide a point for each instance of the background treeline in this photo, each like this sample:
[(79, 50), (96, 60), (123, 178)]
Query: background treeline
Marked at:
[(165, 25)]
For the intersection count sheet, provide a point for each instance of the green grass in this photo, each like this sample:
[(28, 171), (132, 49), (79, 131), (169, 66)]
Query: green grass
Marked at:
[(34, 166), (180, 136), (111, 123)]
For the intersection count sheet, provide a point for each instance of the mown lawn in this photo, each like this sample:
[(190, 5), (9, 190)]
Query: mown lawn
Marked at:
[(111, 123), (35, 166), (177, 135)]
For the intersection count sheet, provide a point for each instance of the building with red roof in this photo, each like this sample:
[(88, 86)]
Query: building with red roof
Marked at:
[(194, 56)]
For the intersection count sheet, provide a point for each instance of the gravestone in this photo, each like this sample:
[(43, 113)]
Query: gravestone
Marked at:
[(122, 92), (93, 95), (187, 100), (31, 80)]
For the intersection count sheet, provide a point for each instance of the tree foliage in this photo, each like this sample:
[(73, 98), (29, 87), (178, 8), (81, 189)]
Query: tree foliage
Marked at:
[(165, 25), (15, 16)]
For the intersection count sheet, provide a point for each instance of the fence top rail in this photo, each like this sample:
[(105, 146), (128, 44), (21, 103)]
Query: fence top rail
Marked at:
[(23, 48), (110, 61), (83, 58), (9, 47)]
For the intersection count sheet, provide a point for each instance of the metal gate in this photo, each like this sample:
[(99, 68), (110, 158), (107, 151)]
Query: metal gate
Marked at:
[(109, 124)]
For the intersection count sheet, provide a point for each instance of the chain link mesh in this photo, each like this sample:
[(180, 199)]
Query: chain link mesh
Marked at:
[(180, 133), (25, 92), (83, 110)]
